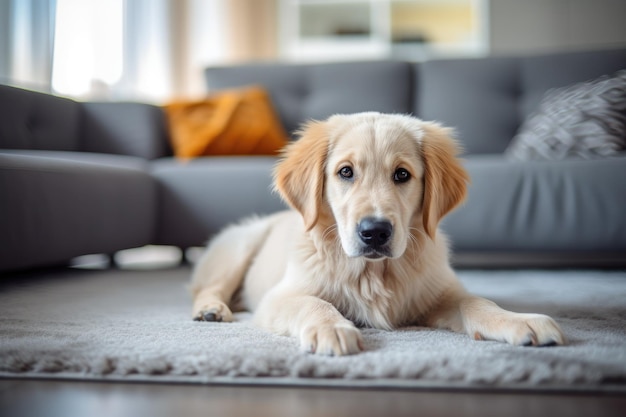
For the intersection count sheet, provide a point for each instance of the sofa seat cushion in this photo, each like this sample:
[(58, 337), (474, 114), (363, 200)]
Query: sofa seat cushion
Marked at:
[(59, 205), (59, 158), (562, 206), (202, 195)]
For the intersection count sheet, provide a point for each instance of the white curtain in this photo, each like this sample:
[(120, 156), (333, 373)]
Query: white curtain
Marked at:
[(89, 49), (26, 42), (113, 49), (148, 65)]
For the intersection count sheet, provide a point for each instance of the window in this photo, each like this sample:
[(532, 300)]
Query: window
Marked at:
[(88, 47)]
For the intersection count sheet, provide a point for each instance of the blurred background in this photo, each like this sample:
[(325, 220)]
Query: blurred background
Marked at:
[(156, 50)]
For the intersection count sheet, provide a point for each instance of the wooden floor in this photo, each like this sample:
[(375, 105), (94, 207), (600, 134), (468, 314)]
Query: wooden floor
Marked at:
[(67, 399)]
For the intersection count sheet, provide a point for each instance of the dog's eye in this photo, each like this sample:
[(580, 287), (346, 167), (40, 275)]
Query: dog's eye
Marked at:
[(401, 175), (346, 173)]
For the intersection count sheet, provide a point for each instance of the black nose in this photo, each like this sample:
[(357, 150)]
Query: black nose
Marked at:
[(374, 232)]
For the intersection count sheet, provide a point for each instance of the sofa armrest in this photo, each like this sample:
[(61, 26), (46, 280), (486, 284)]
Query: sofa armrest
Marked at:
[(134, 129), (37, 121)]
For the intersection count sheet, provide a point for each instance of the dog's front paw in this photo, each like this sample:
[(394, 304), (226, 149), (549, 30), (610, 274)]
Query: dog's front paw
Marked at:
[(527, 330), (213, 312), (332, 340)]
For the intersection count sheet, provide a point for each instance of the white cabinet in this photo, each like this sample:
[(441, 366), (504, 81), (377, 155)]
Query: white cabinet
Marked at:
[(325, 30)]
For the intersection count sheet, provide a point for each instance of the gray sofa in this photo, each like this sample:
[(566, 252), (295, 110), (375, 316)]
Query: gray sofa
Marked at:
[(80, 178)]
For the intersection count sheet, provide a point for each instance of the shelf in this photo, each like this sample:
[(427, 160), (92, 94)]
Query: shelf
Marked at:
[(348, 29)]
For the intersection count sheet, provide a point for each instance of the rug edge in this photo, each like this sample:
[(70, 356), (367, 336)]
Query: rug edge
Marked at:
[(283, 382)]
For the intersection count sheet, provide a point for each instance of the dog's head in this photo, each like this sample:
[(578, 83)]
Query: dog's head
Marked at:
[(379, 178)]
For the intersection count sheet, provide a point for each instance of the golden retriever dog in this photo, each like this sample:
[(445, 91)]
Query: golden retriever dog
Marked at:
[(361, 247)]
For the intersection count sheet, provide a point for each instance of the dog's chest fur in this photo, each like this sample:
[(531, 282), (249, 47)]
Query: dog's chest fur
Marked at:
[(370, 294), (364, 298), (383, 294)]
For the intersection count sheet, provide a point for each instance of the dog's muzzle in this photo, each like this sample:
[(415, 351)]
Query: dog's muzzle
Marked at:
[(375, 234)]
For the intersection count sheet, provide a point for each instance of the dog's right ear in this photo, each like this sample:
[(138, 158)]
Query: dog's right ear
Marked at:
[(299, 175)]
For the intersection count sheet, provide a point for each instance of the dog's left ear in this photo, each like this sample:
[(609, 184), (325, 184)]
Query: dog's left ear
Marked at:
[(299, 175), (445, 179)]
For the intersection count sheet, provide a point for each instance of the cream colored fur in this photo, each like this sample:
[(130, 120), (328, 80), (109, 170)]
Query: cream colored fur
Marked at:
[(307, 273)]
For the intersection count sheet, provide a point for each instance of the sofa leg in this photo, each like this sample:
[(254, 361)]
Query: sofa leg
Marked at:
[(184, 259), (112, 262)]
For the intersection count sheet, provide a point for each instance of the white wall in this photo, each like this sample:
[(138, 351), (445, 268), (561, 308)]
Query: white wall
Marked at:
[(518, 26)]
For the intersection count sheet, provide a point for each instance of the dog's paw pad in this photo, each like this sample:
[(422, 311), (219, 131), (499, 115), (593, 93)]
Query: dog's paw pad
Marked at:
[(213, 315), (208, 316)]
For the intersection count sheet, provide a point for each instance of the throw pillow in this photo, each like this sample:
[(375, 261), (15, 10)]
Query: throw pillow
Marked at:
[(232, 122), (584, 120)]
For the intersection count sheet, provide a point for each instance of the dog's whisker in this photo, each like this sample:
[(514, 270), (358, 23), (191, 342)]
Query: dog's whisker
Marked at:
[(420, 231), (329, 230), (416, 251), (416, 242), (336, 242)]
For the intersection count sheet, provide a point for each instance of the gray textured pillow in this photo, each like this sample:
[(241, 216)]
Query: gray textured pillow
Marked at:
[(584, 120)]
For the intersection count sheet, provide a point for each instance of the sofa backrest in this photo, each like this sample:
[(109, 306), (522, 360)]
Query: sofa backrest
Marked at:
[(32, 120), (301, 92), (487, 99), (37, 121), (543, 72), (477, 97), (484, 99)]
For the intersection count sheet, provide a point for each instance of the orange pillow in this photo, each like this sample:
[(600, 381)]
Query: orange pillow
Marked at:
[(232, 122)]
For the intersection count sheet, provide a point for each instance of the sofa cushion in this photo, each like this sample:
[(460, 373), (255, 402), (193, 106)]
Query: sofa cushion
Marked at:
[(583, 120), (32, 120), (571, 205), (134, 129), (234, 122), (59, 205), (540, 73), (477, 97), (317, 91), (487, 99), (198, 197)]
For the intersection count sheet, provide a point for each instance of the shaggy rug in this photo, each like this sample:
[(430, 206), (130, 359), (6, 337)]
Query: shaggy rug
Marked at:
[(136, 325)]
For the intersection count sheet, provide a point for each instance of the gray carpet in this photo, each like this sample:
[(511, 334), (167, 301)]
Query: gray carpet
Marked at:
[(135, 325)]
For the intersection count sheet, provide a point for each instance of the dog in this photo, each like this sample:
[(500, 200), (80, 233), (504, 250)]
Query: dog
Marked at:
[(361, 246)]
